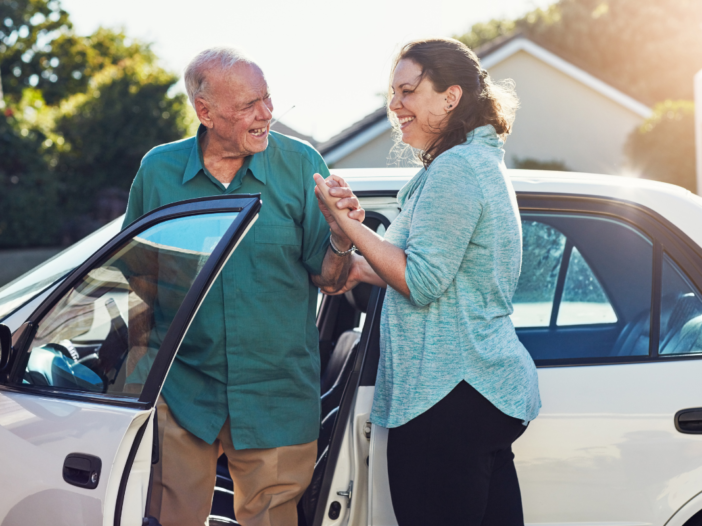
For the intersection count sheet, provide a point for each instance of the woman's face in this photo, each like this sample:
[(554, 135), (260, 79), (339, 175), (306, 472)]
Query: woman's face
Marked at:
[(419, 108)]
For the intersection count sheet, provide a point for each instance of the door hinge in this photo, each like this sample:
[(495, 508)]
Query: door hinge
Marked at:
[(367, 430), (348, 494)]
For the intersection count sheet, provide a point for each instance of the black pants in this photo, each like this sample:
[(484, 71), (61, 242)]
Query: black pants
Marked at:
[(453, 465)]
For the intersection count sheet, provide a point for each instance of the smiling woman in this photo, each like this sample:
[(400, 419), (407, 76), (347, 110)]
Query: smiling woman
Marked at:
[(439, 93), (455, 387)]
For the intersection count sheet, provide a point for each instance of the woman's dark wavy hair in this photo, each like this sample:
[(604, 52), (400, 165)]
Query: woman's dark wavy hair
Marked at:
[(447, 62)]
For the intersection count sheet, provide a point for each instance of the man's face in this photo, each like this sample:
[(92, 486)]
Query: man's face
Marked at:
[(238, 108)]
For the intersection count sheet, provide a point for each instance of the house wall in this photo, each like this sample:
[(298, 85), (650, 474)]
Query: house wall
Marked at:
[(562, 119)]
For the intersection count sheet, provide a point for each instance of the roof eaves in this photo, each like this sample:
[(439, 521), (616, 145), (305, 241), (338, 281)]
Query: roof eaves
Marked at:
[(355, 129)]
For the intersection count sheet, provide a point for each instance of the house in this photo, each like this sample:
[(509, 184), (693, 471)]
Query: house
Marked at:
[(287, 130), (567, 115)]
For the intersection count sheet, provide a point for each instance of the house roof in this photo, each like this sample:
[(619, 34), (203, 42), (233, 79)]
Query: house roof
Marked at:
[(490, 54), (287, 130), (355, 136), (505, 49)]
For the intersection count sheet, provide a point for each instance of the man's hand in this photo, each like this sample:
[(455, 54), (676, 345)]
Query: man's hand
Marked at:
[(338, 188), (354, 278)]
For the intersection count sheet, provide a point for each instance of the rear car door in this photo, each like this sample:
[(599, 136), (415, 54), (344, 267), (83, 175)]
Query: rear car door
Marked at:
[(78, 390), (609, 306)]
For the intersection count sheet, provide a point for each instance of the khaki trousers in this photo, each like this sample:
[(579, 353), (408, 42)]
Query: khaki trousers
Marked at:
[(268, 483)]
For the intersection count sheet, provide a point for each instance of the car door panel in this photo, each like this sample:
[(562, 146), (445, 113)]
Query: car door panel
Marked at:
[(604, 447), (39, 432), (42, 423)]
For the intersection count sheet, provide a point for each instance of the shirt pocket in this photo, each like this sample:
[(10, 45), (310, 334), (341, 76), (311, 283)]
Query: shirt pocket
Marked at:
[(278, 262)]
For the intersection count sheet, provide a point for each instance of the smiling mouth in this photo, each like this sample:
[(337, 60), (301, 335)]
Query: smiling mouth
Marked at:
[(405, 121), (259, 132)]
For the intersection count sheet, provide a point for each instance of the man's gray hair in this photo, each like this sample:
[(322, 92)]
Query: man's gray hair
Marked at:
[(218, 58)]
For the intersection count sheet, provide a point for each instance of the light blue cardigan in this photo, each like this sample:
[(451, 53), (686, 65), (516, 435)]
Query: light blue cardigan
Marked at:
[(461, 231)]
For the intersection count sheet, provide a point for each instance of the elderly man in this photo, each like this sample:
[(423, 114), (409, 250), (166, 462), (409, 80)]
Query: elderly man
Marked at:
[(246, 377)]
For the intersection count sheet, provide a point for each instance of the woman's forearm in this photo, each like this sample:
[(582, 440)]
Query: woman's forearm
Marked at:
[(386, 260), (365, 273)]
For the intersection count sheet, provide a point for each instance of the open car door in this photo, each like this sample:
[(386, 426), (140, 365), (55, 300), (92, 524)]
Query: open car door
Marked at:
[(78, 391)]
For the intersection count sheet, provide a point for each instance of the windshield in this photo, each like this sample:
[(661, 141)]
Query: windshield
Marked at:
[(21, 290)]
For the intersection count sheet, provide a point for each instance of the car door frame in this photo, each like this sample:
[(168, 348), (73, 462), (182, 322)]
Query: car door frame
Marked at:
[(247, 206)]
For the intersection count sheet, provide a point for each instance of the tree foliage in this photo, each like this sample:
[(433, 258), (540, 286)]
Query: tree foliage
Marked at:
[(27, 29), (663, 147), (649, 49), (107, 130), (28, 191), (81, 113)]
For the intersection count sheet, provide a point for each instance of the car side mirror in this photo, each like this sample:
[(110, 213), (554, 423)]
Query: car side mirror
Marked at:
[(5, 346)]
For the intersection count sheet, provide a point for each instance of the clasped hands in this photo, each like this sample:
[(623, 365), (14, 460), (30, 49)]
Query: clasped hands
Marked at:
[(341, 210), (339, 205)]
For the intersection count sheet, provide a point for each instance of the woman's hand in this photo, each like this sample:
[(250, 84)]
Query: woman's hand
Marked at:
[(345, 199), (337, 203)]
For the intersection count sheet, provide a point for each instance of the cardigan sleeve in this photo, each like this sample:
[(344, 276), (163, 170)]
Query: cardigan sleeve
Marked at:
[(445, 216)]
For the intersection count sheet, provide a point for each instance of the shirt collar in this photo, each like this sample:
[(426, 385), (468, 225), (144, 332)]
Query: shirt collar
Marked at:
[(485, 135), (256, 163)]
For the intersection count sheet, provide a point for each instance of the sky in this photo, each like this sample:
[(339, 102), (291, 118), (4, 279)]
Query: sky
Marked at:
[(329, 59)]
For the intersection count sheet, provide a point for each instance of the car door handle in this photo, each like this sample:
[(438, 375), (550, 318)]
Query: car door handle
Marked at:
[(689, 421), (82, 470)]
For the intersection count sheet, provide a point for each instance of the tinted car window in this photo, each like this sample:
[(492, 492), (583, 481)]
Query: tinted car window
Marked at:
[(542, 254), (584, 302), (587, 281), (681, 312), (104, 333)]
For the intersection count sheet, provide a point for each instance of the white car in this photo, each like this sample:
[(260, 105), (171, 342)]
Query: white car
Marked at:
[(608, 304)]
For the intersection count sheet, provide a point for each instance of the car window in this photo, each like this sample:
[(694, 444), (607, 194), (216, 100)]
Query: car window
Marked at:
[(584, 289), (681, 312), (104, 333), (584, 302), (21, 290), (542, 254)]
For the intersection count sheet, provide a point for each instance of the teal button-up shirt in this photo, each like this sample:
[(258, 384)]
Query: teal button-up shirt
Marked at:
[(251, 352)]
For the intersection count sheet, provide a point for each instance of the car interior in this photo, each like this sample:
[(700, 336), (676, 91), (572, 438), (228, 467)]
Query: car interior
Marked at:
[(619, 262), (340, 322)]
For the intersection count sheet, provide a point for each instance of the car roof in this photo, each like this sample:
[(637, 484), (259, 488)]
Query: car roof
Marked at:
[(677, 205)]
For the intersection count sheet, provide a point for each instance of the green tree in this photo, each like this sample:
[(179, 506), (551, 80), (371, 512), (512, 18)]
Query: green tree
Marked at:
[(76, 59), (29, 213), (83, 111), (107, 130), (663, 147), (649, 49), (27, 29), (486, 32)]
